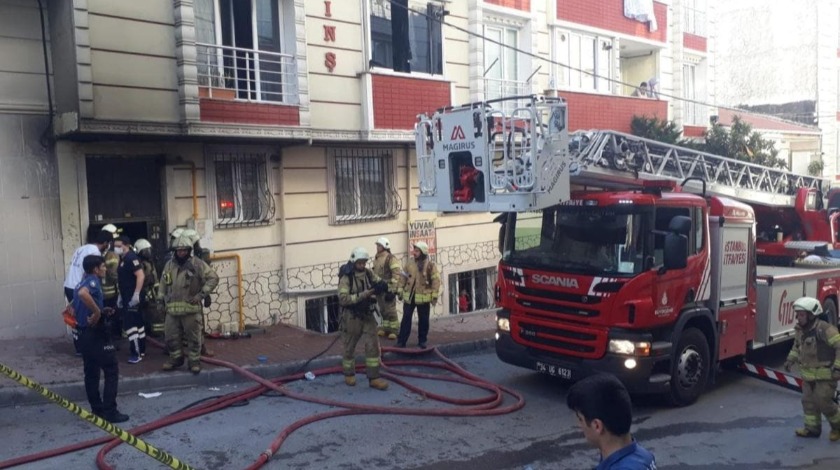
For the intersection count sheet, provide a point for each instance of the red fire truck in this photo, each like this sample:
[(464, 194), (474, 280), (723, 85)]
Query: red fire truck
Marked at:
[(621, 254)]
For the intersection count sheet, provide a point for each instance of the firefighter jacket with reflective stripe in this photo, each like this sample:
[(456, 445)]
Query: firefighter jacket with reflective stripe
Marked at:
[(817, 349), (420, 284), (387, 267), (109, 284), (350, 289), (181, 283), (150, 282)]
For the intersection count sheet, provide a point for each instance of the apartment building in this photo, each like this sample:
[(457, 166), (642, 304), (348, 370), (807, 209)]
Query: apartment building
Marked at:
[(283, 129), (777, 53)]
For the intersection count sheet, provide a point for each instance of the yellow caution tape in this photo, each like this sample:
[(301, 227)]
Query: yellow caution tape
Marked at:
[(106, 426)]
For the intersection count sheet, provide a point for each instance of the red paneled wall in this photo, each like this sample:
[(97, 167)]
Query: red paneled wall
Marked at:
[(398, 100), (693, 41), (591, 111), (609, 15), (237, 112), (523, 5)]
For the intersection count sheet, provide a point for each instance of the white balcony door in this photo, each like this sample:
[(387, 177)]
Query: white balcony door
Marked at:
[(501, 66)]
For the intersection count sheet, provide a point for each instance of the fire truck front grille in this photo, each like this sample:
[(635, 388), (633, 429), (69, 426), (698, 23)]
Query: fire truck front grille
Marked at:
[(547, 307), (558, 338), (561, 296)]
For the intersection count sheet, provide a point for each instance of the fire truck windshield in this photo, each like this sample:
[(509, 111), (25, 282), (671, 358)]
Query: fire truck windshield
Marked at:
[(580, 239)]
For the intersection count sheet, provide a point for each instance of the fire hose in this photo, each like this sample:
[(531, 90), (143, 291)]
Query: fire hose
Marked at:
[(490, 405)]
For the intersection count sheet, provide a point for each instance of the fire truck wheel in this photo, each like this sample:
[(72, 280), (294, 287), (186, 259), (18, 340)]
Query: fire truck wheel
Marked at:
[(830, 311), (689, 367)]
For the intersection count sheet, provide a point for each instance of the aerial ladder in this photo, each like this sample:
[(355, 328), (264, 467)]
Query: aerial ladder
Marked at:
[(516, 154)]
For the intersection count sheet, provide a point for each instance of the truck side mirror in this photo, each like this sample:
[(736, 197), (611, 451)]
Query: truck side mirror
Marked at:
[(675, 253), (502, 219)]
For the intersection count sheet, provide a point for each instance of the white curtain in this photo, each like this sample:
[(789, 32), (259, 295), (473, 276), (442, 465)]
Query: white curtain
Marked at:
[(641, 10)]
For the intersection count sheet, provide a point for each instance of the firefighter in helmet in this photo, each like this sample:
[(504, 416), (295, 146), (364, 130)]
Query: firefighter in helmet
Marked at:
[(152, 317), (419, 288), (185, 281), (358, 288), (816, 348), (387, 267), (109, 283)]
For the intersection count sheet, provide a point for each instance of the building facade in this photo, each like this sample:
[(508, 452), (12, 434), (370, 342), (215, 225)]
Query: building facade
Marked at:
[(773, 53), (283, 129)]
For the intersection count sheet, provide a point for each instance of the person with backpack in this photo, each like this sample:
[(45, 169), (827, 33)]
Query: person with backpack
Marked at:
[(358, 288), (419, 287), (387, 267)]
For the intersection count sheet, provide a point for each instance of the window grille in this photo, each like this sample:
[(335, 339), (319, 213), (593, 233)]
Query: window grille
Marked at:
[(323, 314), (363, 186), (243, 196), (471, 291)]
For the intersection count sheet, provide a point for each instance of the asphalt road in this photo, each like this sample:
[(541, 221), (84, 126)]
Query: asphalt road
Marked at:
[(741, 423)]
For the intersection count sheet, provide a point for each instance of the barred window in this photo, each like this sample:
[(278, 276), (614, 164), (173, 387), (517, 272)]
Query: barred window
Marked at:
[(470, 291), (362, 185), (241, 185), (323, 314)]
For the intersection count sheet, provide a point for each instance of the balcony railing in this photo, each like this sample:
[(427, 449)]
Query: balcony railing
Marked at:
[(227, 72)]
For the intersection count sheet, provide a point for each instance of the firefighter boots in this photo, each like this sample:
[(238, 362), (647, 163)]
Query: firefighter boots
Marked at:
[(392, 336), (195, 367), (172, 365), (350, 380), (379, 384), (380, 333), (805, 432)]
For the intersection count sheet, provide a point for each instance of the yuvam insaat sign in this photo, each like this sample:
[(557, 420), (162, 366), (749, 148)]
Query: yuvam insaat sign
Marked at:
[(423, 231)]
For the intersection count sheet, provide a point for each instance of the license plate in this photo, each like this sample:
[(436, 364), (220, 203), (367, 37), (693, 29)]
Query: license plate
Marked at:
[(554, 371)]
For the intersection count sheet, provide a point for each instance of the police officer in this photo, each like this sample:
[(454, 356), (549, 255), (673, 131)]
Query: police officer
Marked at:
[(130, 282), (816, 348), (98, 353), (419, 287), (152, 318), (185, 282), (387, 267), (109, 283), (357, 286)]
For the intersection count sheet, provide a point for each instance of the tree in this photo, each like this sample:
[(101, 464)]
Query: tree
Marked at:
[(739, 141)]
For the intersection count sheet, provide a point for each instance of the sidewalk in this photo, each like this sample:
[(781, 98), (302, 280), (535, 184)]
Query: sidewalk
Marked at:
[(52, 363)]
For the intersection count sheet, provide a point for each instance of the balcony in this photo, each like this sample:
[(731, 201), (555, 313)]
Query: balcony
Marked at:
[(598, 111), (247, 86)]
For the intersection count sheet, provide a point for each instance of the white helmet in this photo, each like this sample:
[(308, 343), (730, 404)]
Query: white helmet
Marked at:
[(359, 253), (192, 235), (384, 242), (111, 228), (142, 244), (182, 242), (808, 304), (176, 233), (423, 247)]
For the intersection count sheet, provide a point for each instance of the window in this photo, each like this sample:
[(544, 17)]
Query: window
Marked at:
[(501, 67), (362, 185), (242, 190), (240, 46), (694, 17), (590, 61), (695, 113), (471, 291), (323, 314), (663, 219), (406, 35)]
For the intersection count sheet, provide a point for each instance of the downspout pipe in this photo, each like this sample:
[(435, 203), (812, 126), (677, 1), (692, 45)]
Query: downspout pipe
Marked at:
[(194, 183)]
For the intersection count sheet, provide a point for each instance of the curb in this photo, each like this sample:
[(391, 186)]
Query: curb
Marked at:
[(161, 381)]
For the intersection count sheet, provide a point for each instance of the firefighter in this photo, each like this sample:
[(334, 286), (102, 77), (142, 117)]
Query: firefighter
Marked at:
[(387, 267), (816, 348), (109, 283), (419, 286), (184, 283), (204, 255), (357, 290), (152, 317)]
